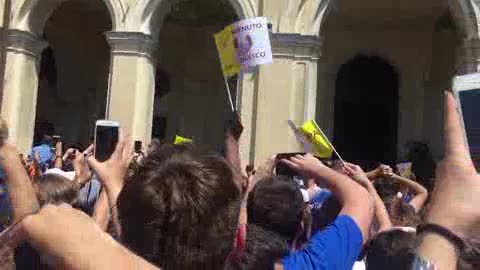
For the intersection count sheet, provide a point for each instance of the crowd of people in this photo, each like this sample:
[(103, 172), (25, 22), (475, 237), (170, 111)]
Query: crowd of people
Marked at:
[(176, 207)]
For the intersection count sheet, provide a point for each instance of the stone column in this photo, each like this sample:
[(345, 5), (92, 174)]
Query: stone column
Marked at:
[(286, 91), (469, 56), (23, 52), (132, 82)]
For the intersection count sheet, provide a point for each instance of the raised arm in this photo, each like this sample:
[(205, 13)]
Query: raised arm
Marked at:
[(112, 174), (380, 171), (58, 161), (233, 132), (421, 193), (101, 212), (22, 195), (76, 242), (381, 214), (355, 200), (455, 199)]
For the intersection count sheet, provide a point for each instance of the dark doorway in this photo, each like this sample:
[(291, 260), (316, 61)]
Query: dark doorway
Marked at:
[(366, 111)]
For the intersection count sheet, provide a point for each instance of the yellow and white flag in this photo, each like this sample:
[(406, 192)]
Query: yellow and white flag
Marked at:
[(181, 140), (227, 52), (321, 145)]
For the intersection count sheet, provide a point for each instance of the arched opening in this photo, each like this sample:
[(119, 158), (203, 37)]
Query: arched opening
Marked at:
[(420, 40), (190, 97), (366, 110), (74, 69)]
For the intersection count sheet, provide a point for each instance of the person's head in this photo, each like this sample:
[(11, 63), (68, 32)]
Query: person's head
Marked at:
[(180, 209), (55, 189), (401, 213), (470, 256), (262, 248), (276, 204), (392, 249), (423, 163), (326, 214)]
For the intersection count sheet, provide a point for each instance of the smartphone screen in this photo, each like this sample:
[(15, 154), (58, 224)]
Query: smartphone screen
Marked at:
[(470, 106), (106, 138)]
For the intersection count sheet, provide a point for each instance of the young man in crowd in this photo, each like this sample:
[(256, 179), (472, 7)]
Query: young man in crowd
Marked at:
[(338, 246)]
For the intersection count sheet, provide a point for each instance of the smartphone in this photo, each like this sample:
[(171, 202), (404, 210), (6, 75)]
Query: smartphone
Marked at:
[(138, 147), (467, 93), (106, 138)]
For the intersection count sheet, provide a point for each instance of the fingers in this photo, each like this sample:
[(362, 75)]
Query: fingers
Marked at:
[(89, 150), (454, 140), (292, 164), (121, 144), (92, 162)]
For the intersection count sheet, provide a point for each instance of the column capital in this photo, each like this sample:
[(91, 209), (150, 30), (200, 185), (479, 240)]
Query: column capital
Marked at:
[(469, 56), (296, 46), (24, 42), (132, 44)]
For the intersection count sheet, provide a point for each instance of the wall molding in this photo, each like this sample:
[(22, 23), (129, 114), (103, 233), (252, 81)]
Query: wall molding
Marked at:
[(132, 44), (296, 46), (23, 42)]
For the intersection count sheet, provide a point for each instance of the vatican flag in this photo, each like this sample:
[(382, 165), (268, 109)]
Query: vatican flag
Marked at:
[(227, 52), (182, 140), (321, 145)]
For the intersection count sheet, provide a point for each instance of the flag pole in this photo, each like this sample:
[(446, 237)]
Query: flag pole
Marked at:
[(237, 98), (329, 143), (228, 92)]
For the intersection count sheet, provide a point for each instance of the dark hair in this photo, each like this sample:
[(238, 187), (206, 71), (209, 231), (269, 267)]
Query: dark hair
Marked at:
[(326, 214), (391, 250), (55, 189), (276, 204), (470, 257), (263, 248), (180, 209), (401, 213), (423, 163), (386, 188)]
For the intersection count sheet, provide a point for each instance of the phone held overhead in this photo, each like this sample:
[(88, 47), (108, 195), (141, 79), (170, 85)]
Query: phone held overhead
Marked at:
[(467, 93), (106, 138)]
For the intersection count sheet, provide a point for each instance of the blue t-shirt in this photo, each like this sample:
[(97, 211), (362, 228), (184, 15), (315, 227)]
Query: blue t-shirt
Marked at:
[(44, 153), (5, 210), (335, 248), (88, 196)]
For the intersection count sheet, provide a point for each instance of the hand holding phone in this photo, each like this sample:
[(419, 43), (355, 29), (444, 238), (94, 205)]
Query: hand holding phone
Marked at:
[(467, 93), (106, 138)]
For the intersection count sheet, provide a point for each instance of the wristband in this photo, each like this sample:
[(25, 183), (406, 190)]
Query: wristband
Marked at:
[(443, 232)]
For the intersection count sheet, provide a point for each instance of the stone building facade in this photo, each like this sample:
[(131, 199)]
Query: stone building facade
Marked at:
[(371, 72)]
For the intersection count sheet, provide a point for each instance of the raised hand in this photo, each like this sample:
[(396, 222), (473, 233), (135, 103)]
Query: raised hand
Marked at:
[(234, 126), (112, 172), (68, 154), (307, 165), (385, 171), (357, 174), (455, 200), (82, 172)]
